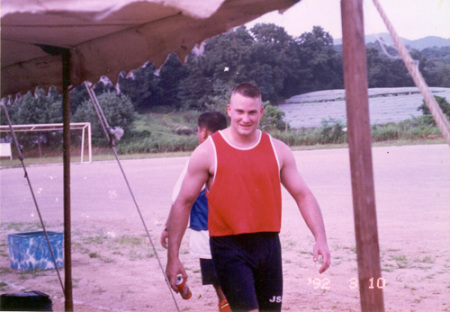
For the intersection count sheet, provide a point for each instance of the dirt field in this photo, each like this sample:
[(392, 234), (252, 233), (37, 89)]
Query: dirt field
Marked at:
[(115, 269)]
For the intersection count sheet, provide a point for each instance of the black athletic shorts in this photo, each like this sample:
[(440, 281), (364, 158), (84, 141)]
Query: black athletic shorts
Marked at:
[(208, 272), (249, 270)]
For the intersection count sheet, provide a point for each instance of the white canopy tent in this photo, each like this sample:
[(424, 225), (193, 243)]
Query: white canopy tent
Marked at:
[(106, 37)]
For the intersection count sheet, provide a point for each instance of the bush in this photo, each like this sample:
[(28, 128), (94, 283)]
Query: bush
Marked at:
[(166, 144), (330, 134), (385, 132), (156, 133), (443, 104), (416, 128), (332, 131), (272, 118), (118, 110)]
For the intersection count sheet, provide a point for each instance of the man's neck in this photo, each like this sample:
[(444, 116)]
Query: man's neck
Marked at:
[(239, 140)]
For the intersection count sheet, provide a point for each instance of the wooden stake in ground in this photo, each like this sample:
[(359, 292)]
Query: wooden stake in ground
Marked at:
[(359, 139)]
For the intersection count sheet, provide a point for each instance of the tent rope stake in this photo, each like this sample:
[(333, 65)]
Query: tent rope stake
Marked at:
[(19, 152), (413, 69), (111, 136)]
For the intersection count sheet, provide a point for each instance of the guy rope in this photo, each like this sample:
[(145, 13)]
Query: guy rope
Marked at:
[(112, 135), (442, 122), (19, 152)]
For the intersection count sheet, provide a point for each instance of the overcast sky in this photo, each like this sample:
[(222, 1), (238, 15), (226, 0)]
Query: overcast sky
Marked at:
[(412, 19)]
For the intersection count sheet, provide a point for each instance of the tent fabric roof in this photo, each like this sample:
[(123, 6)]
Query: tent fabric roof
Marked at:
[(107, 37)]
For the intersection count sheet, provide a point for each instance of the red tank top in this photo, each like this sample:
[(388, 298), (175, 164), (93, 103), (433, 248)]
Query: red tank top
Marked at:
[(246, 193)]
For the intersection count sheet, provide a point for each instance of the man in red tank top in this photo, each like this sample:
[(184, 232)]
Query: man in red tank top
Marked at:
[(243, 168)]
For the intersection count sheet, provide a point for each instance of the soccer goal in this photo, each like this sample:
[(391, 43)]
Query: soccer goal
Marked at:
[(56, 130)]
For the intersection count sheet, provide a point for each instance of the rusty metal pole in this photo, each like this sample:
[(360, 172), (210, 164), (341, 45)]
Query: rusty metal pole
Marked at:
[(66, 163), (359, 139)]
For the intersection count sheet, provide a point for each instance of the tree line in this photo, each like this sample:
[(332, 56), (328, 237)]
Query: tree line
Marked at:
[(281, 65)]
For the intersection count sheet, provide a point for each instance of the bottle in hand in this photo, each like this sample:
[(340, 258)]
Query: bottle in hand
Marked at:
[(183, 288)]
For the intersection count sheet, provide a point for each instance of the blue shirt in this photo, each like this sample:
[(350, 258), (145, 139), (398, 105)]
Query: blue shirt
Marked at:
[(199, 213)]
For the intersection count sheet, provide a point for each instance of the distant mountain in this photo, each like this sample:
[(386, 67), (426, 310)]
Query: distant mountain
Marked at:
[(419, 44), (428, 42)]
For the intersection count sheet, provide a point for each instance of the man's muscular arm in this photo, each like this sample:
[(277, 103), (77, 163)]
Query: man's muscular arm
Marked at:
[(196, 176), (306, 202)]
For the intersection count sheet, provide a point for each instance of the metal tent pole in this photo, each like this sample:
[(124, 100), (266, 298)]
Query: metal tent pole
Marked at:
[(359, 140), (66, 162)]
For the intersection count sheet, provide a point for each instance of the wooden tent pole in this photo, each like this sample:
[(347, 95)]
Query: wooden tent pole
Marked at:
[(359, 139), (66, 163)]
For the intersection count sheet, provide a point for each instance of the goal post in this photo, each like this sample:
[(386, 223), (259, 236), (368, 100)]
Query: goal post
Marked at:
[(84, 127)]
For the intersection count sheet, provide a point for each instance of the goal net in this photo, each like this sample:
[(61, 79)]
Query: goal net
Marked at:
[(45, 140)]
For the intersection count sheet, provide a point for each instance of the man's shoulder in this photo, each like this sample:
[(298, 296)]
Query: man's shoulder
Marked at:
[(203, 152), (282, 150), (279, 145), (205, 147)]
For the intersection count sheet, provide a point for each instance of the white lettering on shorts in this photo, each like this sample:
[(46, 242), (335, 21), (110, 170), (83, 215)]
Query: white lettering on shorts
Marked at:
[(276, 299)]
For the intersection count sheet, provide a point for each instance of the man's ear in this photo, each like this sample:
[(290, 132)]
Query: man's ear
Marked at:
[(204, 133), (228, 109)]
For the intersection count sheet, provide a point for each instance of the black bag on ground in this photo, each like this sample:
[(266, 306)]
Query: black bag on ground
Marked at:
[(26, 301)]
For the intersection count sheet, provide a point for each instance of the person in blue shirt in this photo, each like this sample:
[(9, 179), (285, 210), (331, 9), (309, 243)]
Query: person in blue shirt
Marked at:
[(208, 123)]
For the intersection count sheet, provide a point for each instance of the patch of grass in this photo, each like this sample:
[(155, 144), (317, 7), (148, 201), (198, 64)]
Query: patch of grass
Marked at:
[(387, 268), (22, 226), (99, 290), (3, 251), (23, 275), (135, 254), (161, 132), (413, 129), (184, 251), (288, 245), (108, 260), (426, 259), (94, 255), (131, 246), (5, 270), (401, 261), (129, 240), (3, 286), (77, 246), (96, 240)]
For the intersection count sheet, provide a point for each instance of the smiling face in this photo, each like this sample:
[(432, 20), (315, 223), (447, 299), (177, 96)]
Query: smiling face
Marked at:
[(245, 114)]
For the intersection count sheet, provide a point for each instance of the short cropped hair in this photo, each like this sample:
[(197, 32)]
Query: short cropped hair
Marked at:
[(212, 121), (247, 89)]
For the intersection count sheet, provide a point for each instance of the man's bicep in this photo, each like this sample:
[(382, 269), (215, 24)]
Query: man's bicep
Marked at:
[(293, 182), (195, 178), (290, 176)]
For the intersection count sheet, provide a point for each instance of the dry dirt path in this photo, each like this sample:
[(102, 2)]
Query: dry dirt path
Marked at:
[(114, 268)]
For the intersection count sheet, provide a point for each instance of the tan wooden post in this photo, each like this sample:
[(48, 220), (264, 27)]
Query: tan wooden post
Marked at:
[(359, 138)]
